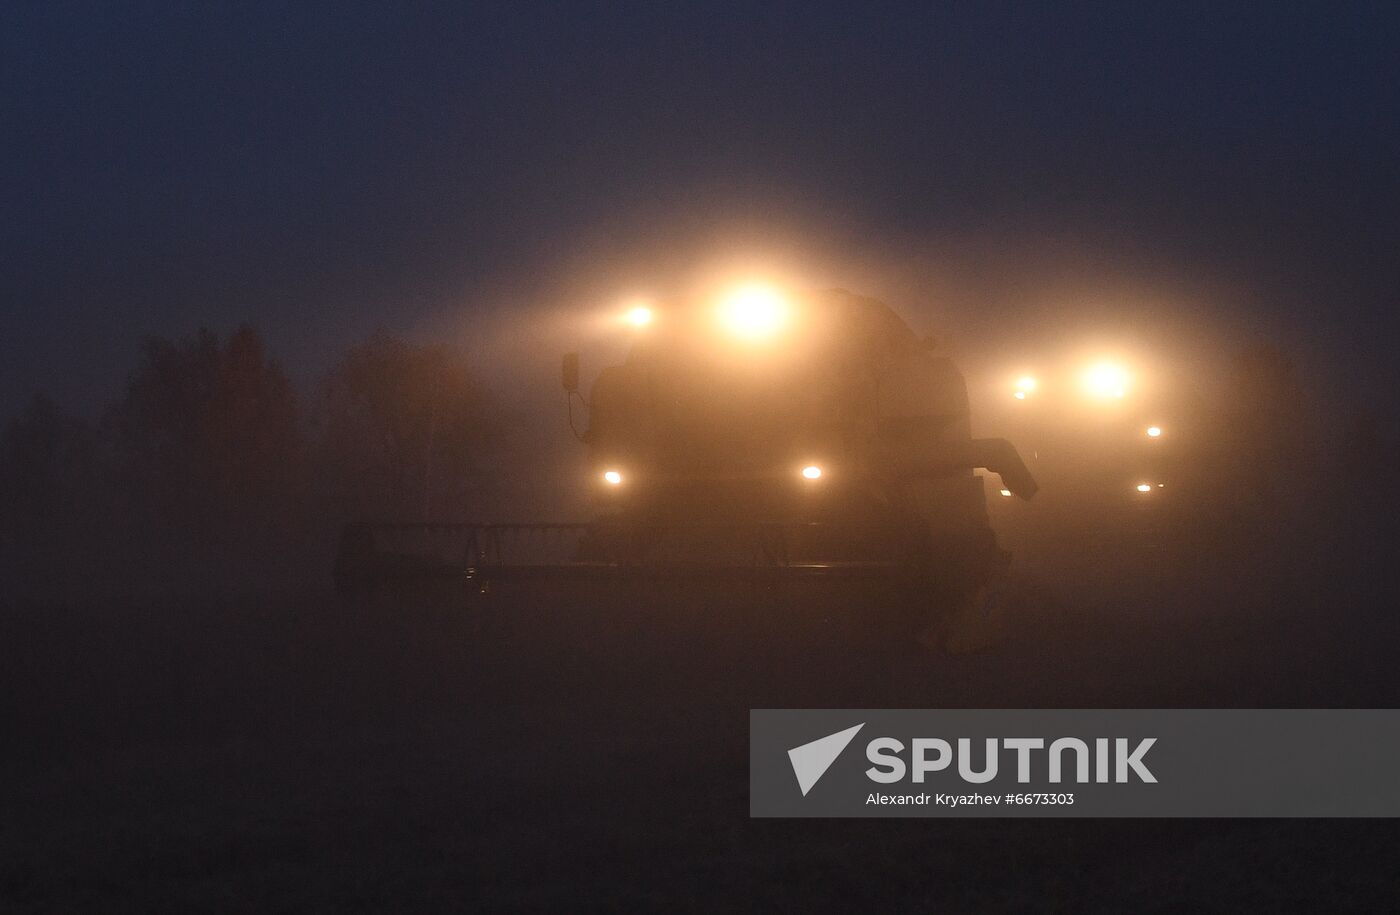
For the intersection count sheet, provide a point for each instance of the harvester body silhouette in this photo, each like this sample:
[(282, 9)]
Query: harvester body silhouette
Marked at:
[(757, 437)]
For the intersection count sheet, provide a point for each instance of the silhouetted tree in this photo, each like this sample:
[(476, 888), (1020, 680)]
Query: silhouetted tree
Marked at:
[(1266, 384), (208, 435), (48, 476), (1272, 457), (404, 432)]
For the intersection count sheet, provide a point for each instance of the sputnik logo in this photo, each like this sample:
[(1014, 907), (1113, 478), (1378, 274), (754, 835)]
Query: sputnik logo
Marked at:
[(811, 760)]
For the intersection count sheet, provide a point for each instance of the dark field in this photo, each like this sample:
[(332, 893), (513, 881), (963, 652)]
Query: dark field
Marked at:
[(279, 749)]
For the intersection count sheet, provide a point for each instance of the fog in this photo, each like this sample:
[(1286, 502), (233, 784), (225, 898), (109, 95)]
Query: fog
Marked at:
[(1000, 306)]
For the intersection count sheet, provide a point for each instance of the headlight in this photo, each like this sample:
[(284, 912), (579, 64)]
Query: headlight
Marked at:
[(812, 472), (1025, 386), (1154, 431), (753, 312), (612, 478), (638, 316), (1106, 380)]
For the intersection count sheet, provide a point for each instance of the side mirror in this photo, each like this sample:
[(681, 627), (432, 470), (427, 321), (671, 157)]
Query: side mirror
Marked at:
[(569, 373)]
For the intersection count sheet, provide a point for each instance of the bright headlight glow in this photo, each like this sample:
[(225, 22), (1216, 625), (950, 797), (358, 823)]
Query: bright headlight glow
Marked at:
[(1144, 487), (754, 312), (1006, 492), (612, 478), (638, 316), (812, 472), (1106, 380), (1154, 431)]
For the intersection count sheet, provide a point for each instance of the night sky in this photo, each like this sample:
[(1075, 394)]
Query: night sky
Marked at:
[(323, 171)]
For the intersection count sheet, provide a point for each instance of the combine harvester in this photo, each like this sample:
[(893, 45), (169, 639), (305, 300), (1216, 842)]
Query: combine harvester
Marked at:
[(755, 440)]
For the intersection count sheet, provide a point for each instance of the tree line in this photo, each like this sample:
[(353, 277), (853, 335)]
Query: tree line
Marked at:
[(210, 451)]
